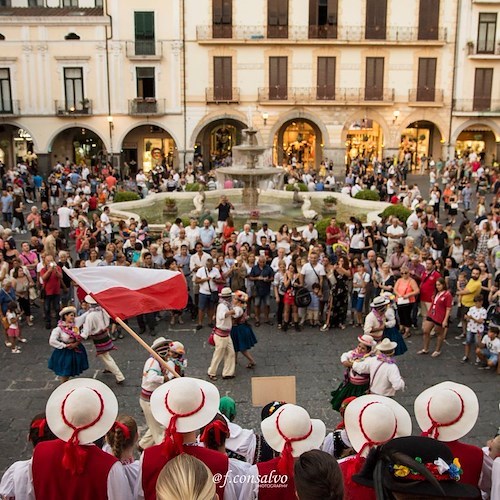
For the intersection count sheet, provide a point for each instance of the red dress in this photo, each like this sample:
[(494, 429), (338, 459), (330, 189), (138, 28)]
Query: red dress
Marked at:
[(354, 491), (471, 461), (272, 491)]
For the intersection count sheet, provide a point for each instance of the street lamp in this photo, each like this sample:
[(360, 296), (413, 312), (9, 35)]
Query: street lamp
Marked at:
[(395, 115), (265, 117), (110, 121)]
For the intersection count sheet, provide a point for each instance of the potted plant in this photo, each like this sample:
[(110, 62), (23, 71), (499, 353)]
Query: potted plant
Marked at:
[(330, 204), (170, 206), (85, 105), (470, 47)]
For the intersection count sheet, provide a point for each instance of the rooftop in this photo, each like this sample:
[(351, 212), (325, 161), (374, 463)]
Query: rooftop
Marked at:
[(50, 11)]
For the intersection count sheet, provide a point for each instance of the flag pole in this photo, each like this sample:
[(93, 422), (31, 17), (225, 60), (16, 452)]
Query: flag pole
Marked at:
[(146, 346)]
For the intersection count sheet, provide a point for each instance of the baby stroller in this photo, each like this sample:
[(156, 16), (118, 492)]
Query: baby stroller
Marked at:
[(493, 314)]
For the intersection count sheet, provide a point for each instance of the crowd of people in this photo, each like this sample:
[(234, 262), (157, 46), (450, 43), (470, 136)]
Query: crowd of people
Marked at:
[(389, 279)]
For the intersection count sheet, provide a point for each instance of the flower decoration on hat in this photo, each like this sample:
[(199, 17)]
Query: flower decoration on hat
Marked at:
[(440, 469)]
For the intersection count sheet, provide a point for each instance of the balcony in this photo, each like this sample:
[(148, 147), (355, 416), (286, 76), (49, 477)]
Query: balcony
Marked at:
[(333, 34), (325, 96), (149, 50), (425, 97), (474, 52), (146, 106), (221, 95), (67, 108), (9, 107), (476, 107)]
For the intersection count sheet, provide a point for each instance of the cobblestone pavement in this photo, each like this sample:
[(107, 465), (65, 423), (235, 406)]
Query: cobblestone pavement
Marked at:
[(312, 356)]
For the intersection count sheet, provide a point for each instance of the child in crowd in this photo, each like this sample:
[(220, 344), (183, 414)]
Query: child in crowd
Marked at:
[(14, 332), (121, 440), (475, 317), (176, 359), (489, 349), (312, 314)]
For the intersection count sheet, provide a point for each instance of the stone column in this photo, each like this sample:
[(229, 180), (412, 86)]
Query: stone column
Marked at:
[(337, 156), (390, 152), (44, 166)]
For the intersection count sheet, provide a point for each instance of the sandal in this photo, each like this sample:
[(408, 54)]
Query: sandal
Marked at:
[(423, 351), (435, 354), (257, 323), (213, 378), (250, 365)]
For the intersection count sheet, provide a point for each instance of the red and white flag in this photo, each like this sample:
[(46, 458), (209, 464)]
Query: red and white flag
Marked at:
[(125, 292)]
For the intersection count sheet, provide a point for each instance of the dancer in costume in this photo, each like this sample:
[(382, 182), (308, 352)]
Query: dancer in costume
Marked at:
[(391, 330), (241, 332), (69, 358), (353, 384)]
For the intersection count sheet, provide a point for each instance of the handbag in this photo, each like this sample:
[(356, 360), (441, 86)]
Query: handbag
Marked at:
[(302, 297), (211, 340), (33, 293), (402, 301)]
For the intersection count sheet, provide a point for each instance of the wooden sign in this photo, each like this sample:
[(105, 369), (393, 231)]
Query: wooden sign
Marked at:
[(267, 389)]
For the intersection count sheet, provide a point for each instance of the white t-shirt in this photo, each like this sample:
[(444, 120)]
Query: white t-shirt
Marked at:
[(357, 282), (493, 345), (207, 287), (193, 235), (108, 228), (64, 214), (10, 316), (395, 231), (312, 275), (310, 235), (476, 313)]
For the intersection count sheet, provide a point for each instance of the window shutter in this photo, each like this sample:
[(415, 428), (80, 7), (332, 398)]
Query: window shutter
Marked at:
[(376, 15), (313, 12), (428, 20), (374, 81), (426, 90), (217, 11), (326, 78), (483, 82)]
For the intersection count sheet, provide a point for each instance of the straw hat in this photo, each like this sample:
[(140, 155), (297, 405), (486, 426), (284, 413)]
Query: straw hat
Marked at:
[(81, 403), (186, 403), (372, 420), (446, 411), (89, 299), (160, 342), (226, 292), (386, 345), (67, 310), (292, 425), (379, 301), (366, 340)]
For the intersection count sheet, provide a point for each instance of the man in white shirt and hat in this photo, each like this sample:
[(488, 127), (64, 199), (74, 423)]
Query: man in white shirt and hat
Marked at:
[(224, 349), (385, 379)]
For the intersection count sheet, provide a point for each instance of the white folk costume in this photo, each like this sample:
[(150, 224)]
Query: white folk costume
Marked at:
[(79, 412), (153, 376), (385, 378), (95, 326), (224, 349)]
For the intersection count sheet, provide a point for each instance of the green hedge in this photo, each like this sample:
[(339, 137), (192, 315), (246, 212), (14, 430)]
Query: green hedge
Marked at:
[(367, 194), (399, 211), (193, 187), (126, 196), (300, 185), (321, 226)]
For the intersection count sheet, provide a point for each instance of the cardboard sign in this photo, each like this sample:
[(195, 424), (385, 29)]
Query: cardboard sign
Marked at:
[(267, 389)]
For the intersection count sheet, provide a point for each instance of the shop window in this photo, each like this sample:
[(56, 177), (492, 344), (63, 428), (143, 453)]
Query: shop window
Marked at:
[(73, 87), (486, 33), (144, 33), (5, 91)]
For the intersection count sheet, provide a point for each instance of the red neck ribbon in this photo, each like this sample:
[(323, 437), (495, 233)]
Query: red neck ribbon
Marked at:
[(39, 424), (172, 442), (285, 464), (220, 429), (433, 430), (74, 455), (125, 430)]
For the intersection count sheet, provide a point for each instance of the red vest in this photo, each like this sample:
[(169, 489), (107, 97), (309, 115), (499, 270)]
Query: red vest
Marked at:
[(153, 462), (272, 491), (471, 460), (51, 481)]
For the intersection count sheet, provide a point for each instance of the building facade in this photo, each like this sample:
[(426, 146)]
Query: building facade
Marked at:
[(164, 81)]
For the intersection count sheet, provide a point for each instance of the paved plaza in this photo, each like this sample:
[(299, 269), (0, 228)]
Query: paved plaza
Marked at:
[(312, 356)]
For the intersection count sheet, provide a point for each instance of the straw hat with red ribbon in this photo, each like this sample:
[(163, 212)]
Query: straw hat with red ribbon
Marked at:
[(80, 411), (183, 405), (291, 431), (446, 411)]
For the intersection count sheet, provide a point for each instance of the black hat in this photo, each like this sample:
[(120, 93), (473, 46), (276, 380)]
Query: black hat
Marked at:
[(270, 408), (417, 466)]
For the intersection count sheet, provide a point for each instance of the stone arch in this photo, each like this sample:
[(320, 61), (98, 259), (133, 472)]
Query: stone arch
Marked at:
[(370, 115), (494, 126), (147, 123), (216, 116), (103, 137), (299, 114), (418, 116), (13, 123)]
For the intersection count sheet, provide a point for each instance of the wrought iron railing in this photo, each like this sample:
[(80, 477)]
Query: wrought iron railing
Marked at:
[(222, 94), (146, 106), (70, 108)]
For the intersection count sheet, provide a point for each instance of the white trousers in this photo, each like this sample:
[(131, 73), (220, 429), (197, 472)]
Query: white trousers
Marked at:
[(111, 365), (224, 350), (155, 432)]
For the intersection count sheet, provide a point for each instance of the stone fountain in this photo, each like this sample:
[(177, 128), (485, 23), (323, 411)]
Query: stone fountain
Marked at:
[(250, 176)]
